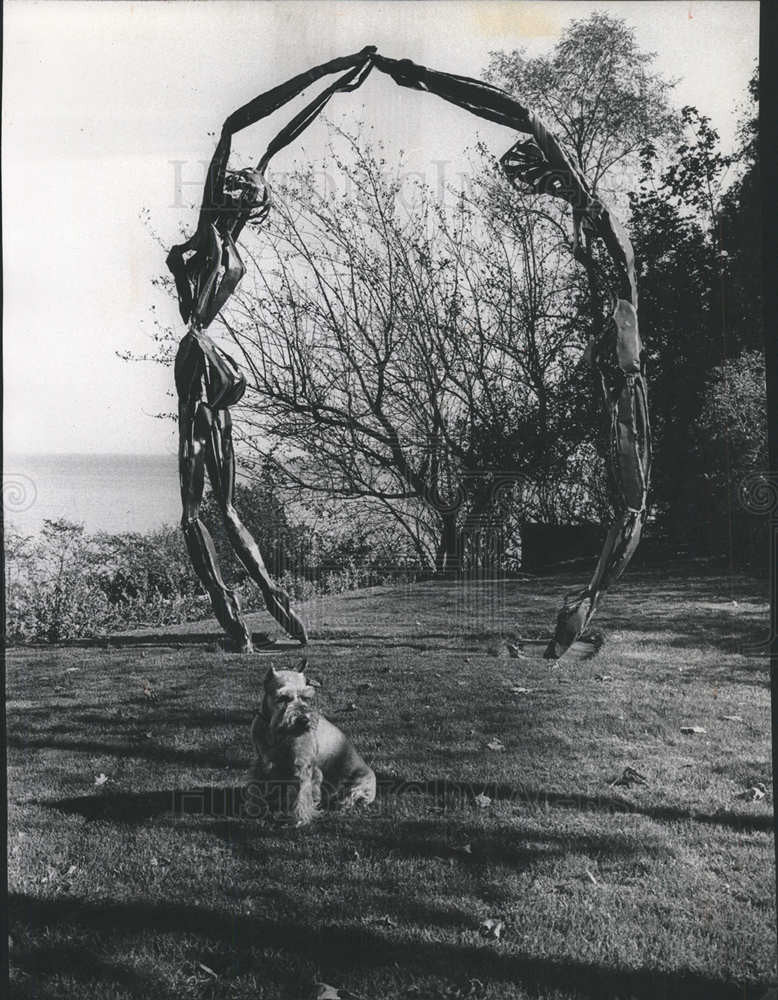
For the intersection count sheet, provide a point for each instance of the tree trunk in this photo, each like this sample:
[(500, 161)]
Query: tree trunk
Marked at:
[(449, 554)]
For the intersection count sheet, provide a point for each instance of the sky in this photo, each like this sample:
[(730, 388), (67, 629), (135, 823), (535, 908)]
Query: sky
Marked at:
[(109, 114)]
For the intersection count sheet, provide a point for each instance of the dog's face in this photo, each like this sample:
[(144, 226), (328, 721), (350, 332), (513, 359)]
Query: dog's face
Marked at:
[(288, 702)]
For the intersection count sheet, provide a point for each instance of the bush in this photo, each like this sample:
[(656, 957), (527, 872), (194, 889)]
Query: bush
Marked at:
[(69, 585), (51, 590)]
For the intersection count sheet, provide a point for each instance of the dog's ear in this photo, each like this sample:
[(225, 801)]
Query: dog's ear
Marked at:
[(270, 678)]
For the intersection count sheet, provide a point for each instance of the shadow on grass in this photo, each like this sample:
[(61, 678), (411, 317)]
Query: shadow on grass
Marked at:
[(80, 963), (215, 757), (342, 637), (230, 802), (337, 950), (447, 793), (227, 802), (477, 849), (137, 807), (261, 640)]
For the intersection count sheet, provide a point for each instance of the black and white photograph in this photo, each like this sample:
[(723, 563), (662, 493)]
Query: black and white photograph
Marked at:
[(390, 518)]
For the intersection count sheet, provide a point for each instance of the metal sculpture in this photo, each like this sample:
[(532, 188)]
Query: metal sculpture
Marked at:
[(208, 382), (207, 269)]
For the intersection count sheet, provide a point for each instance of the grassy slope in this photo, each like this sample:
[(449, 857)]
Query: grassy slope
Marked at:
[(665, 890)]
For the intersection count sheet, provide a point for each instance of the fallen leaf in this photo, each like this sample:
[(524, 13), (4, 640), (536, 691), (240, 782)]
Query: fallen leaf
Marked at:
[(207, 969), (629, 777), (692, 730), (496, 745), (314, 682), (492, 928), (520, 690), (101, 779), (603, 677), (482, 801), (591, 877), (351, 707), (754, 793), (732, 718), (463, 849), (385, 921), (71, 670)]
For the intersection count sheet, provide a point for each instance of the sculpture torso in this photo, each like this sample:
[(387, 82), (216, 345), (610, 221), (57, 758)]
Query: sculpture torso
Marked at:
[(203, 373)]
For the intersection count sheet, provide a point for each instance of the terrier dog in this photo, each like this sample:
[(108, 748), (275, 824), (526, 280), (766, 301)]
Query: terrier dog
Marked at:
[(296, 744)]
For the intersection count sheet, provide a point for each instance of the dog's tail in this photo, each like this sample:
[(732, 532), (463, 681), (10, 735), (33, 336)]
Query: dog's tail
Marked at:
[(303, 665)]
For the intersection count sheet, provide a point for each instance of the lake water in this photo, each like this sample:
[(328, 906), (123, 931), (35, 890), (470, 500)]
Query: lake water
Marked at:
[(103, 492)]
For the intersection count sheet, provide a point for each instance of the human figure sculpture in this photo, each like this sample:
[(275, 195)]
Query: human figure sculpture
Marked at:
[(629, 460), (207, 269), (208, 382)]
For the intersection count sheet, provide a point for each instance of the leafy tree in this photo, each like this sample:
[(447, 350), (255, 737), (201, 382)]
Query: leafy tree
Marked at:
[(733, 419), (598, 92), (677, 273), (697, 244), (740, 227)]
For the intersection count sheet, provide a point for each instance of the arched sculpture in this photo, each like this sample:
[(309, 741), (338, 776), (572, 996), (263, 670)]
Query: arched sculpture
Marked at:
[(207, 269)]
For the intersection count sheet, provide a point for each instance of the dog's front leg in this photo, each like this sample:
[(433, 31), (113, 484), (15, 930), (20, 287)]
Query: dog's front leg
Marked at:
[(316, 780), (361, 790), (305, 805)]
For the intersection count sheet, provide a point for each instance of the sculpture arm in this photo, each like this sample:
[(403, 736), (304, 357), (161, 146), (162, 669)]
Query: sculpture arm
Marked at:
[(209, 277)]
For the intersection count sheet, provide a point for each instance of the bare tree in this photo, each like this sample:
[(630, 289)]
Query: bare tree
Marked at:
[(417, 358)]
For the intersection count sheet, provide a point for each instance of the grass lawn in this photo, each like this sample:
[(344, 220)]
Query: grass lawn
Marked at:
[(134, 873)]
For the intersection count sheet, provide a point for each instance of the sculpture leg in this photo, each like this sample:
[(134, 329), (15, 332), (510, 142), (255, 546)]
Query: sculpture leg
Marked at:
[(220, 460), (629, 462), (198, 540), (578, 610)]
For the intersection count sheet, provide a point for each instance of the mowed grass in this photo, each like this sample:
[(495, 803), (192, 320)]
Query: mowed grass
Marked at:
[(134, 871)]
